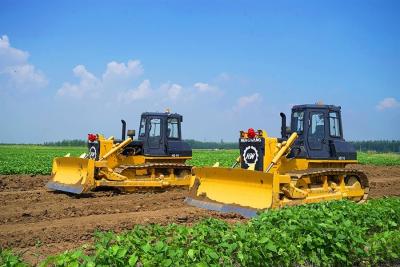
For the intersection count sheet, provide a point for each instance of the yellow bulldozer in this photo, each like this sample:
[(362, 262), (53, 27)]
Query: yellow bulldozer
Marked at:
[(306, 165), (156, 159)]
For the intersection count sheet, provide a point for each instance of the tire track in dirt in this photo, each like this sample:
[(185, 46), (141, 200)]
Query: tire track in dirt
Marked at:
[(82, 228), (35, 206), (383, 180)]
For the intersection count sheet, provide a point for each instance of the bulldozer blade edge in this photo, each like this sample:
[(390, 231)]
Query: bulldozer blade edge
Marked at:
[(245, 212), (74, 189)]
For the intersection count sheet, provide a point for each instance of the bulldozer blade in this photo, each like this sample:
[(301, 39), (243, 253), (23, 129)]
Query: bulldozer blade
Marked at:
[(246, 212), (74, 189), (231, 190), (72, 175)]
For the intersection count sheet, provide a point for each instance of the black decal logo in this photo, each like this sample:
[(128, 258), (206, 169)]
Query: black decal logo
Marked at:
[(92, 153), (250, 155)]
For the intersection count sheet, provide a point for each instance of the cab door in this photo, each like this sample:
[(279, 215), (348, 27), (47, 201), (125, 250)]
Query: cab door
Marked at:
[(317, 142), (155, 137)]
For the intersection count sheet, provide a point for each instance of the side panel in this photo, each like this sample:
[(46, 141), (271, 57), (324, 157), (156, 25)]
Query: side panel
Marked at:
[(342, 150), (179, 148)]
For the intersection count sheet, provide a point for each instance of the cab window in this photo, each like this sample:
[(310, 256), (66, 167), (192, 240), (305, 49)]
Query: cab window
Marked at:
[(155, 128), (317, 125), (142, 130), (173, 128), (298, 121), (334, 124)]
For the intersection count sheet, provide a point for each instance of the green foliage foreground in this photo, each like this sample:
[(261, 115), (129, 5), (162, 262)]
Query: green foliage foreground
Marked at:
[(330, 233)]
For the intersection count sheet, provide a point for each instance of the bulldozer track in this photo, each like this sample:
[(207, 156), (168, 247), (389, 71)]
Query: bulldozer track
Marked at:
[(121, 168), (316, 172)]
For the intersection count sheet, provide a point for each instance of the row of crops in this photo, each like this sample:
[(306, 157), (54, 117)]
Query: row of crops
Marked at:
[(26, 159), (339, 233)]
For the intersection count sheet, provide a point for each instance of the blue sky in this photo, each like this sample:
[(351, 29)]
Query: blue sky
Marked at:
[(74, 67)]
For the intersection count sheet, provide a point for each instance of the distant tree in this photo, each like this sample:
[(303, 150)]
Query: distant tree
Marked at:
[(211, 145), (73, 142), (377, 145)]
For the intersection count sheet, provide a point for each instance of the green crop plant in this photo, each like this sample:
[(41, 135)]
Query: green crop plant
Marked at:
[(29, 159), (9, 259), (209, 157), (380, 159), (337, 233)]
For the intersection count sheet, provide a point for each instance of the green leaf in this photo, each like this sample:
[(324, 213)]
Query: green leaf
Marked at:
[(240, 256), (132, 260), (191, 253), (76, 254), (212, 254), (146, 248), (121, 253), (166, 262), (114, 250), (270, 246)]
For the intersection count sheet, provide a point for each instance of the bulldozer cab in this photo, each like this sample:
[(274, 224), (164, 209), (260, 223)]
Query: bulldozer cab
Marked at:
[(161, 135), (320, 135)]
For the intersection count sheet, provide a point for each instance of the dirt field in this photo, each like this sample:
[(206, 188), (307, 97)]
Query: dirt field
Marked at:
[(37, 222)]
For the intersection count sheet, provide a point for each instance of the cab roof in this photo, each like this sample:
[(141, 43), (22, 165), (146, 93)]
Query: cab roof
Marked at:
[(316, 106), (161, 114)]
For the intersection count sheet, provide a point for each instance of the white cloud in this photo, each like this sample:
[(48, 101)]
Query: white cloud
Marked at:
[(117, 76), (117, 83), (142, 91), (173, 91), (388, 103), (16, 70), (245, 101), (115, 70), (25, 76), (88, 84), (11, 56), (205, 87)]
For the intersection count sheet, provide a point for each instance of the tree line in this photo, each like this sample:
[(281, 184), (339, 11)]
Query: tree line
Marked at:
[(73, 142), (363, 146), (378, 146)]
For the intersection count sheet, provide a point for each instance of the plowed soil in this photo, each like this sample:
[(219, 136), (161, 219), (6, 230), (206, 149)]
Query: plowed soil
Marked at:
[(37, 222)]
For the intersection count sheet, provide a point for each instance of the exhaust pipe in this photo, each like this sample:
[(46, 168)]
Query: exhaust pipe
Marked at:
[(283, 126), (123, 130)]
